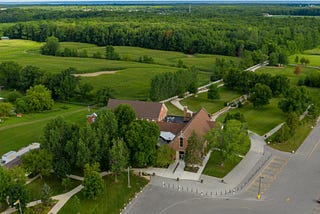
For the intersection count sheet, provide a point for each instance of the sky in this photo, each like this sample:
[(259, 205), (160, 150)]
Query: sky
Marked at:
[(302, 1)]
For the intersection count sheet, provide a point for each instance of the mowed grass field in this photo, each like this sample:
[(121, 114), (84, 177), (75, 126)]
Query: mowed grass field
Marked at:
[(195, 103), (112, 201), (169, 58), (313, 55), (16, 133), (131, 81), (263, 119)]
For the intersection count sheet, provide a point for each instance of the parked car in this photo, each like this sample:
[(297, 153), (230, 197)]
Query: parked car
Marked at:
[(318, 200)]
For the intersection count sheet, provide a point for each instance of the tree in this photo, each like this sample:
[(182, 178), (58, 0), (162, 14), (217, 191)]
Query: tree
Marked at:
[(45, 194), (235, 116), (106, 129), (274, 59), (283, 134), (165, 156), (141, 139), (57, 134), (119, 157), (64, 85), (297, 70), (12, 185), (293, 122), (5, 109), (296, 100), (88, 147), (37, 162), (10, 75), (111, 54), (279, 84), (296, 59), (307, 61), (18, 193), (92, 182), (38, 98), (260, 95), (232, 139), (213, 92), (13, 96), (85, 91), (66, 183), (31, 76), (303, 60), (125, 115), (193, 154), (51, 46), (103, 95)]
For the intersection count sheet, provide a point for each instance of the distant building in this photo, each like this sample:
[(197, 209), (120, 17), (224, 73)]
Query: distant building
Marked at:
[(4, 38), (12, 158), (152, 111)]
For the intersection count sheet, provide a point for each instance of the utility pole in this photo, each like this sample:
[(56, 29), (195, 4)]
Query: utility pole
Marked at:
[(189, 8)]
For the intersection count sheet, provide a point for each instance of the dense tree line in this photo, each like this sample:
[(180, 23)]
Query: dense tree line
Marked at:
[(244, 81), (311, 80), (113, 140), (170, 84), (63, 86), (235, 31)]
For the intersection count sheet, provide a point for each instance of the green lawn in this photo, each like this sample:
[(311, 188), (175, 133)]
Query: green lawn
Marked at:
[(168, 58), (131, 81), (288, 71), (172, 110), (261, 120), (19, 132), (313, 55), (296, 140), (214, 167), (35, 187), (201, 101), (112, 200)]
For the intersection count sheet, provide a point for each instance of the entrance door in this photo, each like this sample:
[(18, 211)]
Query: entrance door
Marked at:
[(181, 155)]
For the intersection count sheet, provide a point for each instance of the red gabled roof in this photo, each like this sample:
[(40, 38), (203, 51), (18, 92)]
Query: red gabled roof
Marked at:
[(200, 123), (144, 110)]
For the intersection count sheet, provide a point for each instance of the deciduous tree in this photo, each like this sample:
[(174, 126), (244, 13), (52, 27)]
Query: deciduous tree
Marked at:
[(93, 183), (260, 95), (119, 157)]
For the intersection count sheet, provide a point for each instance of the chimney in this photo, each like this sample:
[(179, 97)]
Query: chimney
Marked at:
[(186, 114)]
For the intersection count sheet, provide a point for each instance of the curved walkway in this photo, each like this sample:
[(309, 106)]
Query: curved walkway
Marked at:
[(235, 180)]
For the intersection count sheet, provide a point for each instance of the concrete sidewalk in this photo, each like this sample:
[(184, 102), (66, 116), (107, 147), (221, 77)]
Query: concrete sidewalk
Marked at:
[(211, 186)]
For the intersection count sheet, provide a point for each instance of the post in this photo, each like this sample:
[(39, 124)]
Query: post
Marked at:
[(20, 208), (259, 193), (129, 178)]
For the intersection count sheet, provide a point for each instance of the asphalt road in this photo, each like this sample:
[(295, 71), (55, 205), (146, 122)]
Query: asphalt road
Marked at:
[(293, 192)]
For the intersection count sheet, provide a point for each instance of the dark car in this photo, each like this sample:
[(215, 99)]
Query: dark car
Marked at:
[(318, 200)]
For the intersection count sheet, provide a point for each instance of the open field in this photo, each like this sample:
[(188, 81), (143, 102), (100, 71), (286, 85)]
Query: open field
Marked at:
[(168, 58), (288, 71), (312, 55), (114, 198), (19, 132), (201, 101), (131, 81), (261, 120)]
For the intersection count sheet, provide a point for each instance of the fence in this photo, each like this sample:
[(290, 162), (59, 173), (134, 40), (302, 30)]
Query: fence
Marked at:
[(221, 192)]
